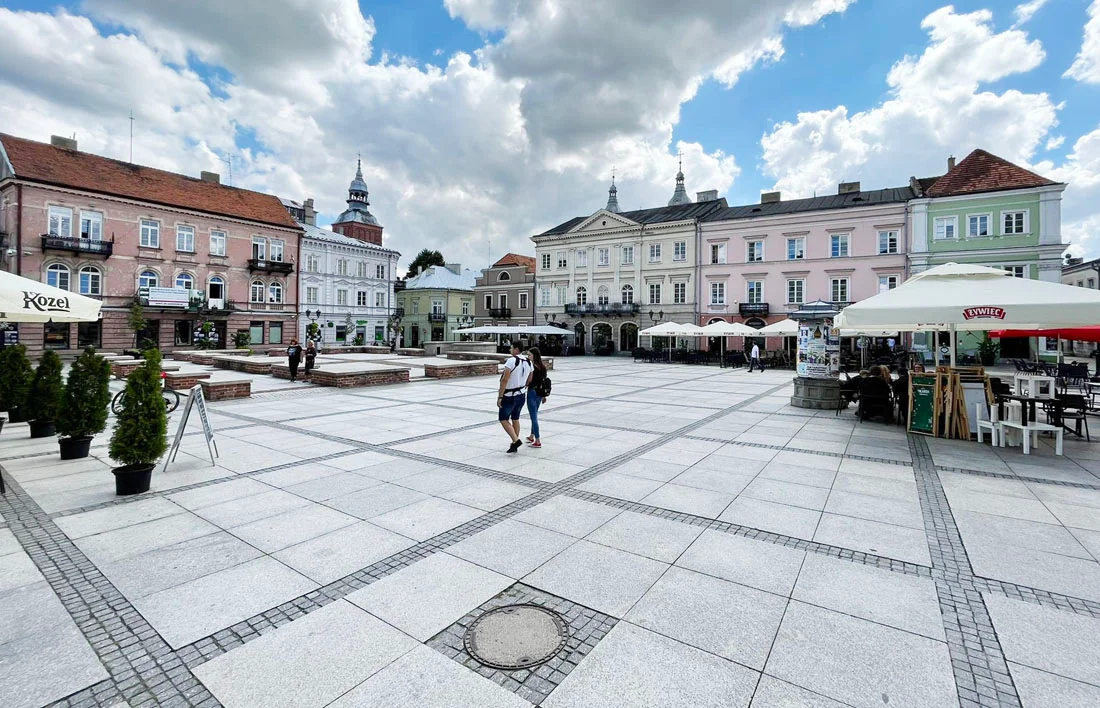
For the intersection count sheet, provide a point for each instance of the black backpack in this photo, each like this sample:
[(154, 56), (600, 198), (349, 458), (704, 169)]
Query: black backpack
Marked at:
[(543, 387)]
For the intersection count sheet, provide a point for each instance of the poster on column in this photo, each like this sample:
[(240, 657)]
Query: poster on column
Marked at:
[(818, 350)]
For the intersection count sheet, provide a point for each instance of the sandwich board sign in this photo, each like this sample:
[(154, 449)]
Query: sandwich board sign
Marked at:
[(194, 400)]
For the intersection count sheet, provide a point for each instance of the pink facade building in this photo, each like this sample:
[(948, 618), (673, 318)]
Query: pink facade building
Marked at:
[(759, 262), (193, 251)]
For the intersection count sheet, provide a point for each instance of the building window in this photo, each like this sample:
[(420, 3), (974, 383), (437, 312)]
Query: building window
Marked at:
[(717, 253), (360, 269), (582, 295), (275, 333), (887, 242), (185, 239), (887, 282), (562, 294), (523, 301), (546, 261), (89, 334), (341, 297), (259, 248), (275, 249), (718, 293), (91, 281), (275, 293), (256, 291), (603, 295), (977, 225), (504, 277), (61, 222), (416, 306), (563, 261), (582, 258), (184, 332), (679, 251), (796, 249), (91, 225), (603, 257), (839, 246), (840, 289), (56, 335), (57, 275), (1092, 283), (150, 233), (361, 298), (185, 281), (1014, 222), (311, 263), (654, 293), (1018, 271), (380, 299), (679, 293), (217, 243), (465, 307), (544, 297), (437, 306), (380, 271), (341, 267), (755, 252), (628, 295), (488, 302), (311, 295), (628, 255), (654, 253), (503, 301), (755, 292), (943, 228), (796, 290), (148, 279)]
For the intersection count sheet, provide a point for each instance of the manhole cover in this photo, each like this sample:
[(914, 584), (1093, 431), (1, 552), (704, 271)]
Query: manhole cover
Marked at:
[(516, 636)]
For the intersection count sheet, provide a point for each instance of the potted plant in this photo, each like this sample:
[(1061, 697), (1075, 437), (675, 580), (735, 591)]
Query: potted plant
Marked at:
[(84, 404), (15, 380), (988, 350), (140, 435), (44, 396)]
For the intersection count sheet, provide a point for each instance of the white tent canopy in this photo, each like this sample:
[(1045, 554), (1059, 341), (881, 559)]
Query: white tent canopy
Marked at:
[(665, 329), (25, 300), (514, 329), (729, 329), (783, 328)]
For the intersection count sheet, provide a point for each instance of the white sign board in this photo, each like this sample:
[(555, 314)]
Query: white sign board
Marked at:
[(194, 400), (168, 297)]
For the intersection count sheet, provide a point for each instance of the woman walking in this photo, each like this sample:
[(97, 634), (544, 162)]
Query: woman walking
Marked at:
[(311, 355), (294, 357), (536, 393)]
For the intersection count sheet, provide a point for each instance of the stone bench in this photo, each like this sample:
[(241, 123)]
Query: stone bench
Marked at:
[(246, 364), (184, 382), (124, 367), (359, 374), (226, 390), (195, 355), (169, 368), (482, 356), (408, 351), (454, 369), (282, 371)]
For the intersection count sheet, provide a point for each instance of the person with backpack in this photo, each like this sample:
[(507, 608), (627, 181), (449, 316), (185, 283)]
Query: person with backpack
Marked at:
[(512, 395), (538, 389)]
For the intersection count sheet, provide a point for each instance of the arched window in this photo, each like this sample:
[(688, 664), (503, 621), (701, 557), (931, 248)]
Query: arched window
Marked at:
[(256, 292), (628, 294), (504, 276), (148, 279), (275, 293), (57, 275), (603, 295), (185, 281), (91, 281), (216, 289), (582, 295)]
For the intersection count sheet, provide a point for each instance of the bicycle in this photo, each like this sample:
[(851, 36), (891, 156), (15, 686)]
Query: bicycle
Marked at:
[(171, 398)]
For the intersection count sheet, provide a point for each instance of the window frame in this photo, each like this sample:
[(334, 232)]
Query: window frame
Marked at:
[(1025, 222), (380, 299), (524, 301), (801, 250), (183, 233), (717, 292), (888, 278), (563, 260), (679, 251), (837, 240), (626, 294), (627, 255), (259, 248), (252, 289), (187, 278), (342, 297), (360, 269), (758, 297), (580, 295), (272, 288), (273, 245), (312, 291), (63, 214), (546, 261), (679, 293), (582, 257), (60, 269), (149, 233), (834, 291), (892, 239), (952, 221), (717, 254), (504, 277), (654, 253), (750, 250), (544, 297), (80, 281), (218, 236), (603, 257), (655, 288), (988, 216), (155, 278), (87, 215), (801, 282)]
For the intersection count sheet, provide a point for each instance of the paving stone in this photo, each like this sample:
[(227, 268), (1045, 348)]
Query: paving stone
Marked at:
[(135, 539), (773, 693), (274, 533), (333, 555), (1040, 689), (689, 500), (1047, 639), (881, 539), (487, 494), (17, 569), (650, 536), (116, 517), (765, 566), (512, 547), (245, 510), (793, 521), (47, 665), (375, 501), (425, 519), (569, 516)]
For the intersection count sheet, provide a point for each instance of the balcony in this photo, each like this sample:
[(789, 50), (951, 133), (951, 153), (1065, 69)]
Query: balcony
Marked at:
[(753, 309), (87, 246), (437, 316), (617, 309), (500, 313), (259, 264)]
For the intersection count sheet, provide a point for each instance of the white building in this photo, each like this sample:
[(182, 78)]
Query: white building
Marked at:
[(346, 276)]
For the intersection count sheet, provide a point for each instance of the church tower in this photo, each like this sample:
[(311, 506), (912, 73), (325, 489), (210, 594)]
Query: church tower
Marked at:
[(680, 195), (613, 196), (357, 222)]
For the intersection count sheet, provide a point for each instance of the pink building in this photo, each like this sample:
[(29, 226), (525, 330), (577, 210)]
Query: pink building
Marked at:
[(192, 250), (759, 262)]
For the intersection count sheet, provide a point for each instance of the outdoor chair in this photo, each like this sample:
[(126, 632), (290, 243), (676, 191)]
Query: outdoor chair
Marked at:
[(875, 400), (986, 418), (1075, 407)]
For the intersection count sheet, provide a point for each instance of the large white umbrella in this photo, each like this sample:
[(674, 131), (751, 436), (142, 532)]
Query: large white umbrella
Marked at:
[(783, 328), (25, 300), (515, 329), (665, 329), (724, 329)]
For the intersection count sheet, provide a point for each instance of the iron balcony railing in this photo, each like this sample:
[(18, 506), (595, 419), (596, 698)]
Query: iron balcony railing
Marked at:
[(500, 313), (593, 308), (437, 316), (756, 309), (259, 264), (50, 242)]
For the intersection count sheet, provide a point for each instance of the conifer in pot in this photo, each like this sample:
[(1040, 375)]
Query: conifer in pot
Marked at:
[(84, 404), (44, 396), (140, 437), (15, 380)]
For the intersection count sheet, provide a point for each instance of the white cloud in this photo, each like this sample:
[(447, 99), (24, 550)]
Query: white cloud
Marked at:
[(1055, 142), (1025, 11), (1086, 66), (1081, 171)]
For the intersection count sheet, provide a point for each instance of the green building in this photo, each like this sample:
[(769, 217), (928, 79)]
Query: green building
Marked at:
[(434, 303), (987, 211)]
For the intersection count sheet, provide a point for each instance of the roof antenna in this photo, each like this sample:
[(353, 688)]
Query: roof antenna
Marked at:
[(131, 136), (229, 160)]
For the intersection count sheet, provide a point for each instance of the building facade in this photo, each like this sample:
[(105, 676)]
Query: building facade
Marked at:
[(761, 261), (346, 284), (611, 274), (1082, 274), (193, 251), (434, 303), (505, 292)]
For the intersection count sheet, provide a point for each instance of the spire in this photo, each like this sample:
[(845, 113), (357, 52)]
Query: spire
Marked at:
[(613, 195), (680, 196), (358, 199)]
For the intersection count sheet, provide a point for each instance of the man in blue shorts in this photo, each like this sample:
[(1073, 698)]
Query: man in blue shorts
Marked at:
[(513, 395)]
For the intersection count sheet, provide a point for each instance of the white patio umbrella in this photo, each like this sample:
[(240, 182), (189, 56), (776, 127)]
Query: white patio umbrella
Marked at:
[(725, 329), (665, 329), (783, 328), (25, 300)]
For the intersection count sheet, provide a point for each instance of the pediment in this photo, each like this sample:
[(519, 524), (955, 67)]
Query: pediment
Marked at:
[(601, 221)]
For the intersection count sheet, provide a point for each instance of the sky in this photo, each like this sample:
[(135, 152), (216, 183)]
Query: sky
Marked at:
[(483, 122)]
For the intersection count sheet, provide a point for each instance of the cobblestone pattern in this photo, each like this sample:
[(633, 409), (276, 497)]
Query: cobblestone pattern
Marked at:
[(586, 628), (1018, 478), (144, 670)]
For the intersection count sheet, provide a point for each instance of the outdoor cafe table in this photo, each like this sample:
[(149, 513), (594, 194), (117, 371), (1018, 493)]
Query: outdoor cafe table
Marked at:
[(1030, 405)]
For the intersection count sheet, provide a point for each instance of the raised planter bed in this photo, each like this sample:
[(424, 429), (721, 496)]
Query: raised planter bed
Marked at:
[(491, 356), (246, 364), (226, 390), (407, 351), (282, 371), (354, 375), (124, 367), (454, 369), (184, 382)]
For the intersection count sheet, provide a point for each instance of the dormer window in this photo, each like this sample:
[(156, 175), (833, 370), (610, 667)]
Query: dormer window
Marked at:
[(503, 277)]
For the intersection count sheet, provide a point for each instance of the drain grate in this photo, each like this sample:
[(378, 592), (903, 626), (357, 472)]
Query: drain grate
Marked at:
[(516, 637)]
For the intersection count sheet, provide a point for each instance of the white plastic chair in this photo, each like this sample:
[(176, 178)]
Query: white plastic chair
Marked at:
[(986, 417)]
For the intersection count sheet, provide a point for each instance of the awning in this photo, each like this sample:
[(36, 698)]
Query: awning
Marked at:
[(25, 300), (1073, 334)]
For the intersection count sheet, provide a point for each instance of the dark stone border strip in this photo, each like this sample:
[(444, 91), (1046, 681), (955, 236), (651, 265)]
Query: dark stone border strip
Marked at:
[(1018, 478)]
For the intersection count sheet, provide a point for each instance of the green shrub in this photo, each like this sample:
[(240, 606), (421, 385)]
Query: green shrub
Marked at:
[(44, 396), (141, 433), (87, 396), (988, 350), (241, 339), (15, 377)]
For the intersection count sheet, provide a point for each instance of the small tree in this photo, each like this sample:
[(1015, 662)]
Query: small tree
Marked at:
[(141, 434), (15, 377), (988, 350), (44, 396), (137, 321), (241, 339), (87, 396)]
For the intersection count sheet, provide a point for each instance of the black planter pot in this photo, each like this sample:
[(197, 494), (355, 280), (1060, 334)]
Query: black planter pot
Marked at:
[(75, 448), (132, 479), (42, 429), (15, 415)]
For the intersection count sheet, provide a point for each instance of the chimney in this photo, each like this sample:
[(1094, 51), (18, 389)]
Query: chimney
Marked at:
[(847, 188), (210, 177), (455, 268), (769, 197), (950, 163), (311, 215), (914, 184), (67, 143), (708, 196)]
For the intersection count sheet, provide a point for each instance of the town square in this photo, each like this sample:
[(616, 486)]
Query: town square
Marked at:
[(468, 354)]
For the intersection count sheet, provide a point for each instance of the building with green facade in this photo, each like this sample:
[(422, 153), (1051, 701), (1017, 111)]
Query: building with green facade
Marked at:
[(434, 303), (987, 211)]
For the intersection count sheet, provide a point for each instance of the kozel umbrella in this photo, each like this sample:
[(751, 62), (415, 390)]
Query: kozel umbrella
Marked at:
[(25, 300)]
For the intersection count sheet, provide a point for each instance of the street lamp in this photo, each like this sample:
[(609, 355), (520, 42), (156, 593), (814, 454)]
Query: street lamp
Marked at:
[(660, 315)]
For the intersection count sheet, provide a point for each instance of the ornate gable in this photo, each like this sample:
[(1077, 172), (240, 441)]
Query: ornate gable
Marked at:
[(602, 220)]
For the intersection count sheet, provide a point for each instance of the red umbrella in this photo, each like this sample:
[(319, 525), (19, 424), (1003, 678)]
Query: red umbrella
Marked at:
[(1075, 334)]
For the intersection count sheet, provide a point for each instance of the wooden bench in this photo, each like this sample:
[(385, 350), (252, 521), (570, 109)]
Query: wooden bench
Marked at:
[(455, 369), (408, 351), (184, 382), (226, 390), (357, 374)]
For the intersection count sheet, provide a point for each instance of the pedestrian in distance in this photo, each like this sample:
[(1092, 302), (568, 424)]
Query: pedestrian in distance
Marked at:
[(311, 356), (294, 358), (512, 395), (754, 358), (538, 389)]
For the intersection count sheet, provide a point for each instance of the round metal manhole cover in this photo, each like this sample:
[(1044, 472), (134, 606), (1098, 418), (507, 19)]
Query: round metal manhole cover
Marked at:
[(516, 636)]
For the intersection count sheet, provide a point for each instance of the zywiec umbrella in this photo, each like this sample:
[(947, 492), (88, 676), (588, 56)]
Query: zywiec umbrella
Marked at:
[(1073, 334), (25, 300)]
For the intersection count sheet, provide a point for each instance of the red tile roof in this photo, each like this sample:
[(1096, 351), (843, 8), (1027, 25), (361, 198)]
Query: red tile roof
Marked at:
[(49, 164), (981, 171), (514, 259)]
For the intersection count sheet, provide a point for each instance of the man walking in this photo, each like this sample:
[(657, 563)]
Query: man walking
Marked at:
[(512, 395), (294, 358), (754, 358)]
